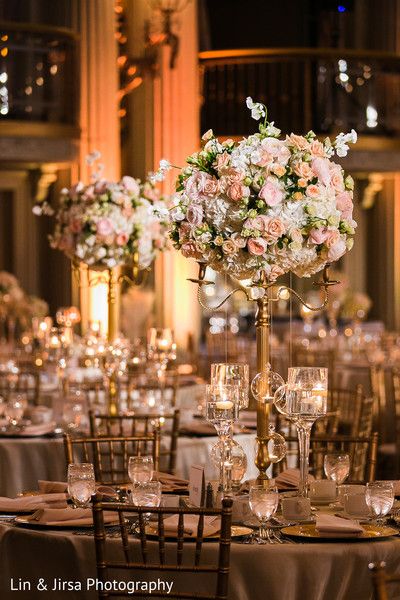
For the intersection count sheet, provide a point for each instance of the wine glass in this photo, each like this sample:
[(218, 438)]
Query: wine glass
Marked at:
[(140, 469), (73, 412), (337, 467), (232, 374), (263, 503), (14, 411), (81, 484), (303, 400), (161, 348), (379, 496)]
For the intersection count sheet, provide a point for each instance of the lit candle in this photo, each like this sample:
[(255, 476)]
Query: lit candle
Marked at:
[(224, 405)]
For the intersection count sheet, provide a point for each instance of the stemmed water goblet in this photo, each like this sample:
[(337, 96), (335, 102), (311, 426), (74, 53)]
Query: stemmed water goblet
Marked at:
[(263, 501), (337, 467), (303, 400), (222, 407), (146, 494), (379, 496), (81, 484), (161, 348)]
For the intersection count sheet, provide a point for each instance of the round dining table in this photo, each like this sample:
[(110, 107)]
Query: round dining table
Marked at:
[(312, 571)]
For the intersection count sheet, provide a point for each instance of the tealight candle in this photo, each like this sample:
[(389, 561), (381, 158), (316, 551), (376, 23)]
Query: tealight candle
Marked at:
[(224, 405)]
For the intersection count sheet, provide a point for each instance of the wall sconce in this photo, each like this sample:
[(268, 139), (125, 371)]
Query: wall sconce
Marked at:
[(133, 69)]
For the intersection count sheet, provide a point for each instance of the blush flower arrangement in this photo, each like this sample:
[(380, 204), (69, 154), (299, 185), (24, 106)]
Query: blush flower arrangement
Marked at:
[(104, 223), (265, 204)]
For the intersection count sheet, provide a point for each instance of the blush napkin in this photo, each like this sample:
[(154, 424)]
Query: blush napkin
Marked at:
[(331, 525), (212, 525), (30, 503)]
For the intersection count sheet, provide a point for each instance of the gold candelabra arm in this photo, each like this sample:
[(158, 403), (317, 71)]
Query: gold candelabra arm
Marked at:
[(222, 302)]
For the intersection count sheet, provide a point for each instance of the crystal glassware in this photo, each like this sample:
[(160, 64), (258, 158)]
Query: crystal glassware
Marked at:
[(232, 374), (337, 467), (146, 494), (379, 496), (140, 469), (81, 484), (73, 412), (222, 409), (161, 348), (263, 503), (303, 400), (14, 410)]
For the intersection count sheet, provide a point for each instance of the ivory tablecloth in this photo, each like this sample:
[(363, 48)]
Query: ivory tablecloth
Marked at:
[(329, 571)]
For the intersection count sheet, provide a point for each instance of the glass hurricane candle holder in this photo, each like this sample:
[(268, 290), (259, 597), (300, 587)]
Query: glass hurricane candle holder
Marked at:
[(232, 374), (222, 409), (303, 400)]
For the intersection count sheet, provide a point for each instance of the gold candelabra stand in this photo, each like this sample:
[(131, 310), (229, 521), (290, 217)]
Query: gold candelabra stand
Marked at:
[(113, 278), (267, 292)]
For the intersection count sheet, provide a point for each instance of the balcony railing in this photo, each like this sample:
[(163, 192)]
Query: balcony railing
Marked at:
[(304, 88), (38, 74)]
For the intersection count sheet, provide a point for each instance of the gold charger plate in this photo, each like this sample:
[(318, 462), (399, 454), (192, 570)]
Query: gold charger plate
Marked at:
[(371, 532), (76, 523), (236, 532)]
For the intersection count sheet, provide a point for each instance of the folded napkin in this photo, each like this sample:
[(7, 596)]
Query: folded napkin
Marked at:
[(30, 503), (331, 525), (290, 478), (170, 482), (68, 516), (212, 525), (61, 486)]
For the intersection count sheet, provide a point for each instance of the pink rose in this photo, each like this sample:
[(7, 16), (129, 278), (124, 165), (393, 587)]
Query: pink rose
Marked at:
[(274, 228), (104, 227), (66, 243), (194, 214), (229, 247), (75, 225), (336, 251), (210, 187), (239, 241), (337, 178), (131, 185), (262, 158), (150, 192), (318, 236), (127, 210), (320, 167), (277, 148), (273, 272), (189, 250), (303, 169), (298, 141), (122, 238), (313, 191), (257, 246), (344, 203), (271, 193), (223, 161), (317, 149), (332, 238), (235, 175), (237, 191), (100, 187)]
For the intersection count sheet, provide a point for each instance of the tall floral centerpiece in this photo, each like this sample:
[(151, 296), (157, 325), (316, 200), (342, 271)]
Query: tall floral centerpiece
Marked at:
[(106, 225), (262, 207)]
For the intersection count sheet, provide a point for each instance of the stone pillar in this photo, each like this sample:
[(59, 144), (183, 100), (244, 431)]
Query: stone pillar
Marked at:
[(99, 119), (164, 121)]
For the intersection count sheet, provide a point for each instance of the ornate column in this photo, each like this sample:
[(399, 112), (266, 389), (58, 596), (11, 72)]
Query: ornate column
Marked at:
[(99, 114), (164, 117)]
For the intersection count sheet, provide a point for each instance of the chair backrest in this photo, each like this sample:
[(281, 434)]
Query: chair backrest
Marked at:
[(142, 556), (362, 450), (142, 424), (355, 410), (164, 392), (380, 579), (110, 455), (311, 357)]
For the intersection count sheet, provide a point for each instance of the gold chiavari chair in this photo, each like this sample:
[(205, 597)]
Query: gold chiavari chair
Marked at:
[(142, 386), (314, 357), (94, 393), (141, 557), (380, 579), (361, 449), (110, 455), (23, 381), (354, 410), (122, 425)]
